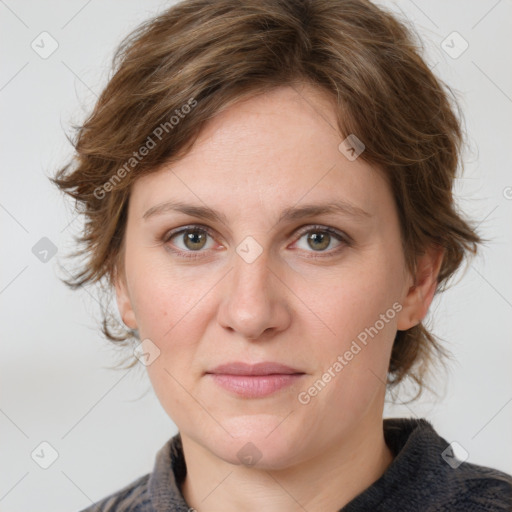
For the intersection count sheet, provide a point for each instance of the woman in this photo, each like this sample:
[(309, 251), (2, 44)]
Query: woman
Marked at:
[(267, 187)]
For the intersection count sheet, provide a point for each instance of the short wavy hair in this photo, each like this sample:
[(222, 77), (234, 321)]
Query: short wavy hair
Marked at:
[(181, 68)]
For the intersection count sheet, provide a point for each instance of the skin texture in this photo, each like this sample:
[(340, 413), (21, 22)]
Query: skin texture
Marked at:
[(298, 303)]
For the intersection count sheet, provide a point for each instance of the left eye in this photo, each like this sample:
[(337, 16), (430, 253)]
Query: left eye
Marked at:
[(320, 238)]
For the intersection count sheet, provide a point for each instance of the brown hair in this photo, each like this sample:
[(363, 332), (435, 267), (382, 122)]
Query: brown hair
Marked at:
[(189, 63)]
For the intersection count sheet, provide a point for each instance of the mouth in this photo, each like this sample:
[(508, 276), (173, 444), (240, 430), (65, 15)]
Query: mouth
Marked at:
[(254, 380)]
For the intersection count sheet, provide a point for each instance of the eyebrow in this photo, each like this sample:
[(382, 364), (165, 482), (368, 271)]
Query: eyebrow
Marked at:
[(288, 214)]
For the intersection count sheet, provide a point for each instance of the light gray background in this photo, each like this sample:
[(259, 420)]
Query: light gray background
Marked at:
[(107, 425)]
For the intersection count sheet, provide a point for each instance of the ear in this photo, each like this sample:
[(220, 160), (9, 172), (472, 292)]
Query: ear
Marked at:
[(421, 292), (124, 303)]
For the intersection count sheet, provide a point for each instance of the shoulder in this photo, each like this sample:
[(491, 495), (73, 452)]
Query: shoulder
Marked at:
[(132, 498), (475, 488), (427, 476)]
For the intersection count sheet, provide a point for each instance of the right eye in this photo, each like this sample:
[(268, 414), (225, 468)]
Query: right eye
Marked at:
[(192, 239)]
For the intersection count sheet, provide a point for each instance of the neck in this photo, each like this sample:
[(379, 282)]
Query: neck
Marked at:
[(327, 481)]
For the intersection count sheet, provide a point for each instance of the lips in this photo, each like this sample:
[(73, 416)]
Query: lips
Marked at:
[(265, 368), (254, 380)]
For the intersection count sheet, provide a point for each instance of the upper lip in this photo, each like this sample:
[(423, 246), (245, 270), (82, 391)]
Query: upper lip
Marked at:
[(265, 368)]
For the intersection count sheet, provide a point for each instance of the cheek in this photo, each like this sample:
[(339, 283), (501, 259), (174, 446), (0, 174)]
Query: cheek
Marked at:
[(356, 300), (161, 296), (168, 312), (156, 309), (171, 310), (360, 314)]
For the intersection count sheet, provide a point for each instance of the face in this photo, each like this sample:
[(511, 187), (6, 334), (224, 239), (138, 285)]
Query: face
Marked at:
[(268, 278)]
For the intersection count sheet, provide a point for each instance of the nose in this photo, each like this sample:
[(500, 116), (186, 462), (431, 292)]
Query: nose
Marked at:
[(255, 302)]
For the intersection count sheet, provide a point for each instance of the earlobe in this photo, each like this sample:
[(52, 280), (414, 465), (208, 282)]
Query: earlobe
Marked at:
[(124, 304), (421, 292)]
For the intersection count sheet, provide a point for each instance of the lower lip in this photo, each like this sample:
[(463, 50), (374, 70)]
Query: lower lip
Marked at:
[(255, 386)]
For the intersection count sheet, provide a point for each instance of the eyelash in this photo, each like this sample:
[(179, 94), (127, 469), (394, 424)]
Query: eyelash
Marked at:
[(341, 237)]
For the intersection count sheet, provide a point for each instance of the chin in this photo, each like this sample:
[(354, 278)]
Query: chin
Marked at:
[(258, 442), (256, 455)]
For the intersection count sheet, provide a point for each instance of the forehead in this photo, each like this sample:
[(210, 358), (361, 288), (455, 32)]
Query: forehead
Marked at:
[(288, 123), (274, 149)]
